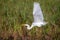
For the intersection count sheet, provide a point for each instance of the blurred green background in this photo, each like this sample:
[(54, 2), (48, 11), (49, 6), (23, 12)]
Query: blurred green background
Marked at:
[(14, 13)]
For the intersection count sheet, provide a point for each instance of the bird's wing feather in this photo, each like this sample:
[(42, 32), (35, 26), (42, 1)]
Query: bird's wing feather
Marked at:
[(37, 13)]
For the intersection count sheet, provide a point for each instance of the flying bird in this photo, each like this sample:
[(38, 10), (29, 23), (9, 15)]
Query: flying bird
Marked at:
[(38, 17)]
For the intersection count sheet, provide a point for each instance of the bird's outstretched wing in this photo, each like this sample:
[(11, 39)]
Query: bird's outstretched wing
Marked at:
[(37, 13)]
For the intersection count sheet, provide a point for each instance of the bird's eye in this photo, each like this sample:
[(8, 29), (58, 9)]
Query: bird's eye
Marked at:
[(25, 26)]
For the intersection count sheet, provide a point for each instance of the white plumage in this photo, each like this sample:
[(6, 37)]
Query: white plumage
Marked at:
[(38, 17)]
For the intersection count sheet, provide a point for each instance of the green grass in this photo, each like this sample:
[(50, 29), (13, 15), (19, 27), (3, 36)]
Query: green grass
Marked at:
[(14, 13)]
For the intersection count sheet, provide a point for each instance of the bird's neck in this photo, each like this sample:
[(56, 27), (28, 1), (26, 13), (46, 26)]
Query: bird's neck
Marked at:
[(29, 27)]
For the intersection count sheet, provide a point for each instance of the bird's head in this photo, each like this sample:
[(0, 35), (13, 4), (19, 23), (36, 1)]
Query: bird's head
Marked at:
[(27, 26)]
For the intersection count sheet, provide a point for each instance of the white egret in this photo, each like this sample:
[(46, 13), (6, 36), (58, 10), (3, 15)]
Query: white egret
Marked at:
[(38, 17)]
